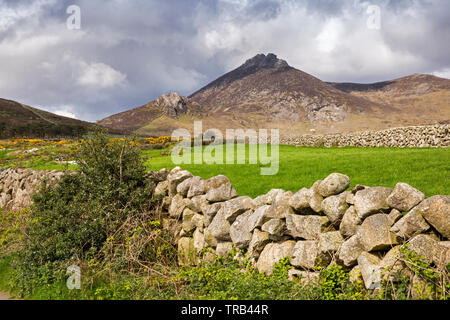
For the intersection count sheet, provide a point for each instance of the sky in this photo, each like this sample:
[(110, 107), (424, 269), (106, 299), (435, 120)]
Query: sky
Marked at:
[(117, 54)]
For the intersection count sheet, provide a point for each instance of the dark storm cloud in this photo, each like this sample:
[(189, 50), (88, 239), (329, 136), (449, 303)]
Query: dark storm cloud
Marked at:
[(129, 52)]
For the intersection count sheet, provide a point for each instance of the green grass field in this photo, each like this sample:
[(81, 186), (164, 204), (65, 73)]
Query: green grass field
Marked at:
[(426, 169)]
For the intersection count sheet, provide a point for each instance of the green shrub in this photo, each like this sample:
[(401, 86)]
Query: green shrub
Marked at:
[(430, 282), (101, 217), (230, 279), (334, 284), (12, 224)]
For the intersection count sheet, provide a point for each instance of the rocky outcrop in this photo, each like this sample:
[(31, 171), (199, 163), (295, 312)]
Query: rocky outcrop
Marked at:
[(361, 229), (413, 136), (173, 105)]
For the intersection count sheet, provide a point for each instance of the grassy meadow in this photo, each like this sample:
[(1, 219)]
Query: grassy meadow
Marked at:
[(427, 169)]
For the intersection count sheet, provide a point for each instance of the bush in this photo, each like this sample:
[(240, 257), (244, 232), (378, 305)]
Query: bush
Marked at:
[(229, 279), (101, 217), (424, 282), (334, 284)]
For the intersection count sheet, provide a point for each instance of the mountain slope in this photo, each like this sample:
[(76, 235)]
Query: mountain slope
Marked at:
[(265, 92), (17, 119), (267, 86), (168, 106), (420, 98)]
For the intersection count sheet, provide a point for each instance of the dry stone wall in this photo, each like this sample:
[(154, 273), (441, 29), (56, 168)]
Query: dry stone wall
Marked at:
[(414, 136), (361, 229), (18, 185)]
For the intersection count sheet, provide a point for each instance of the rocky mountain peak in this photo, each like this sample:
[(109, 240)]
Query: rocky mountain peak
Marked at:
[(172, 104), (262, 61), (258, 63)]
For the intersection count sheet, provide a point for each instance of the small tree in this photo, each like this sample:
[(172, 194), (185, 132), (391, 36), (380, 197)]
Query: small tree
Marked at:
[(91, 214)]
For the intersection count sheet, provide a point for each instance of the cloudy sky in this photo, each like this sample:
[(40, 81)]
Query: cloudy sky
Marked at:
[(127, 53)]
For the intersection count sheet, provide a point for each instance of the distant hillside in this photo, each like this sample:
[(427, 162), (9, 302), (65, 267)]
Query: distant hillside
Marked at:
[(420, 98), (266, 92), (168, 106), (18, 120)]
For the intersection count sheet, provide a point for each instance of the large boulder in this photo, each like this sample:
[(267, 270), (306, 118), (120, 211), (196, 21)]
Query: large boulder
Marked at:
[(375, 233), (219, 188), (350, 222), (197, 187), (404, 197), (210, 241), (258, 218), (371, 200), (350, 198), (410, 225), (436, 210), (175, 177), (274, 194), (162, 188), (315, 198), (199, 240), (306, 254), (333, 184), (197, 203), (234, 207), (278, 211), (257, 243), (441, 254), (371, 272), (210, 211), (395, 215), (330, 242), (334, 207), (272, 253), (306, 227), (239, 231), (220, 227), (300, 201), (184, 186), (177, 206), (275, 227), (260, 201), (191, 220), (283, 198), (350, 251), (423, 245)]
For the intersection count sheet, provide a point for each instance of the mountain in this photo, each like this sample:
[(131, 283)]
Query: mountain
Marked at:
[(266, 92), (420, 98), (154, 115), (17, 120)]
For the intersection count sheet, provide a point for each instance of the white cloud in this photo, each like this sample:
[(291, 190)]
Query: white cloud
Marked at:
[(65, 113), (10, 16), (225, 36), (100, 75), (330, 36), (126, 55), (444, 73)]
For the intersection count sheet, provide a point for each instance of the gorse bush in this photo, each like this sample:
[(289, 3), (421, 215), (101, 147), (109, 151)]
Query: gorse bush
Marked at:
[(102, 217)]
